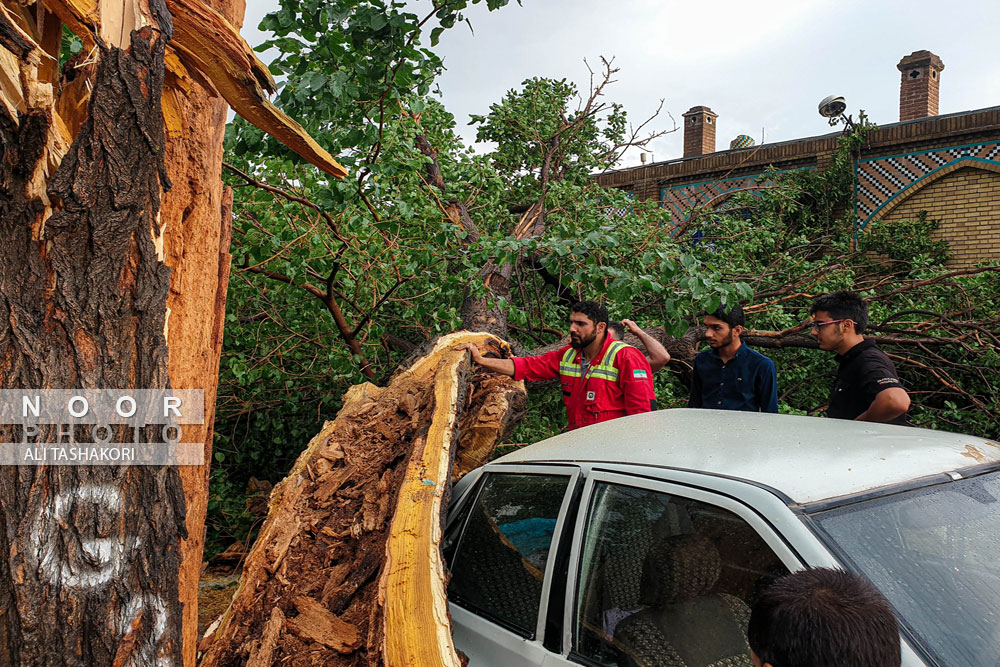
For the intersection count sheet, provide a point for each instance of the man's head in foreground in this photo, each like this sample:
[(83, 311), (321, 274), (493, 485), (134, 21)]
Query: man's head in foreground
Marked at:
[(823, 618), (588, 321)]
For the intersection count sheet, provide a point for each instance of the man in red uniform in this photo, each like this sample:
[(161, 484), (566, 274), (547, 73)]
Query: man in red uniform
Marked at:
[(602, 378)]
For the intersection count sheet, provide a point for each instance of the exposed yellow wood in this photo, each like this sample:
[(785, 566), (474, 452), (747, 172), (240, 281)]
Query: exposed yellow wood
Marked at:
[(75, 97), (411, 588), (21, 91), (206, 47), (11, 93), (80, 16), (173, 119), (423, 412), (49, 33), (207, 43), (119, 18)]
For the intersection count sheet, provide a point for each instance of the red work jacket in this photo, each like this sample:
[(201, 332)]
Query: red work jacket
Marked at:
[(618, 382)]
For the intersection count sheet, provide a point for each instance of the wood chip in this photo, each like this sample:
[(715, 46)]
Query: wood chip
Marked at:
[(316, 623), (263, 653), (330, 483), (285, 533)]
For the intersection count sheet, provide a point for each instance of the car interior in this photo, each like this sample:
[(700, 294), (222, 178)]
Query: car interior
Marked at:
[(669, 582), (664, 581)]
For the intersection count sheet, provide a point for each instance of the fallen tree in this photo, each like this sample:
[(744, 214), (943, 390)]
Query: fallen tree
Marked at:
[(347, 568)]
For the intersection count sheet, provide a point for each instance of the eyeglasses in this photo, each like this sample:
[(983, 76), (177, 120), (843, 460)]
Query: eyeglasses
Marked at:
[(820, 325)]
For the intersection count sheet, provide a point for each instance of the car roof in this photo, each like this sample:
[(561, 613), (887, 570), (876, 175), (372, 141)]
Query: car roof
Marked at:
[(808, 459)]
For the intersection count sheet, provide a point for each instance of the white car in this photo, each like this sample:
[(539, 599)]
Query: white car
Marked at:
[(645, 540)]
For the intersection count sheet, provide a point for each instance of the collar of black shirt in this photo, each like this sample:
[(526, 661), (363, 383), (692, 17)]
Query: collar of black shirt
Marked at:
[(855, 351)]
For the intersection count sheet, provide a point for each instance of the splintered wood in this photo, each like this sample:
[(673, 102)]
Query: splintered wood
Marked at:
[(347, 569), (116, 233)]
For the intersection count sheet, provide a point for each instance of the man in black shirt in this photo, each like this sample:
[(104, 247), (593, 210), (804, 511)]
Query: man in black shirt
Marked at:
[(867, 386)]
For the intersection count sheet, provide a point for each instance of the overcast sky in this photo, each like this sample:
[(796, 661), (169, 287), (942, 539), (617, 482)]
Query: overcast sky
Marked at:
[(762, 65)]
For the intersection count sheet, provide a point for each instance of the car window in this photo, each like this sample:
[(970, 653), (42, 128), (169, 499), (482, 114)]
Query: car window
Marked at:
[(933, 552), (498, 560), (666, 581)]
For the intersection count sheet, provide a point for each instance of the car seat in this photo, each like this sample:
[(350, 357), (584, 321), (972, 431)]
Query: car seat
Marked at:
[(686, 624)]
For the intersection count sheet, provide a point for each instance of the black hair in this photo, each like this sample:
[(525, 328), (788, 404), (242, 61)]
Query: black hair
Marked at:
[(617, 329), (843, 306), (595, 311), (734, 317), (824, 618)]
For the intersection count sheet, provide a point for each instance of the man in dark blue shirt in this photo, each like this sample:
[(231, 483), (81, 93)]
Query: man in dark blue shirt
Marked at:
[(731, 376)]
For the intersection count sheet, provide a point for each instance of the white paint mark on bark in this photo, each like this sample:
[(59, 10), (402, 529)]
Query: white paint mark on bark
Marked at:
[(90, 562), (148, 653)]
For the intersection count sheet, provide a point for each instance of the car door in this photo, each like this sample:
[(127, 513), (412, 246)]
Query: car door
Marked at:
[(498, 547), (663, 573)]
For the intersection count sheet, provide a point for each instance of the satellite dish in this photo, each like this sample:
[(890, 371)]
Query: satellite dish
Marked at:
[(832, 106)]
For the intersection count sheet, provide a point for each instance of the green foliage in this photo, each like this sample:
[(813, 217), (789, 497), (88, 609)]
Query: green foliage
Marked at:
[(356, 74), (359, 75), (69, 46), (540, 138), (228, 519), (905, 240), (794, 239)]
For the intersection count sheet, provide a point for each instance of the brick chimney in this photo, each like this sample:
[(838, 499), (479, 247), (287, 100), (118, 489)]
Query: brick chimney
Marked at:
[(699, 131), (918, 90)]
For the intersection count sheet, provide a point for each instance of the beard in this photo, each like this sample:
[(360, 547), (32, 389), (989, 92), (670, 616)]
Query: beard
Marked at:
[(721, 342), (578, 343)]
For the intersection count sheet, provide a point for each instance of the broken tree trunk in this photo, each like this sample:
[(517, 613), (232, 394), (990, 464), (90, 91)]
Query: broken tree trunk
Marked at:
[(347, 568), (112, 279), (93, 551)]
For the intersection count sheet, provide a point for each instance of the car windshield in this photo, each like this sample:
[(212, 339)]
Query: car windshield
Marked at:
[(935, 554)]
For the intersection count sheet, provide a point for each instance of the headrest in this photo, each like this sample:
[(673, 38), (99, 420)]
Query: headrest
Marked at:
[(679, 568)]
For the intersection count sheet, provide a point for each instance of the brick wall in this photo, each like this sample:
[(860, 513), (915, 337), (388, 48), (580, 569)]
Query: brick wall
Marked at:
[(967, 202), (679, 184)]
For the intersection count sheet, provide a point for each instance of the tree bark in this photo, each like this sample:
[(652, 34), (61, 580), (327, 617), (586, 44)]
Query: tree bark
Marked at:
[(197, 224), (107, 282), (91, 575)]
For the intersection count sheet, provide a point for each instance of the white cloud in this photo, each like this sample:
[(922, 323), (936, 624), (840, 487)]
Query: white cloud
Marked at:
[(761, 65)]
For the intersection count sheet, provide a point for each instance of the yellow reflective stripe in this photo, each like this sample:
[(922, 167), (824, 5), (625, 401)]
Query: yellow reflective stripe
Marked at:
[(606, 369), (567, 367)]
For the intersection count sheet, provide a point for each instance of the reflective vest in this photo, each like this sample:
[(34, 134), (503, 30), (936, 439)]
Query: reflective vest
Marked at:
[(603, 370), (600, 393)]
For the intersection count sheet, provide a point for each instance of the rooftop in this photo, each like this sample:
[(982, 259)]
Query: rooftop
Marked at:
[(807, 458), (766, 148)]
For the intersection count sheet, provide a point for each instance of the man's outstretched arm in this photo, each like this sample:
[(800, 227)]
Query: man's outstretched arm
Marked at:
[(656, 353), (505, 366)]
